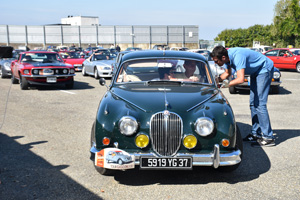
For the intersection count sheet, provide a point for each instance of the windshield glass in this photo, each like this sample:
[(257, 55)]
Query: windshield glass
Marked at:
[(165, 70), (41, 57), (70, 55)]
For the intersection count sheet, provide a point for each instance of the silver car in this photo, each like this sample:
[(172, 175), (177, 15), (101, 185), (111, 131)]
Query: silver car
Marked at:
[(99, 64)]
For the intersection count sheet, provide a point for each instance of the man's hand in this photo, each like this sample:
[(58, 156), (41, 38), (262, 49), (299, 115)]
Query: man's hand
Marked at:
[(225, 84)]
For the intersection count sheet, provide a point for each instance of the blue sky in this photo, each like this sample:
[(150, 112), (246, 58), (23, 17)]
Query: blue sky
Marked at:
[(212, 16)]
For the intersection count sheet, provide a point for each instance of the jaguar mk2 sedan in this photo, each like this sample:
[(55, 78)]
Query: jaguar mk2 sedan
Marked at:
[(165, 111), (41, 68)]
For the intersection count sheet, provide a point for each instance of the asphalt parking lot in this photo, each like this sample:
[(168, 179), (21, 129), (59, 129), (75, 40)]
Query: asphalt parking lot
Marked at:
[(44, 150)]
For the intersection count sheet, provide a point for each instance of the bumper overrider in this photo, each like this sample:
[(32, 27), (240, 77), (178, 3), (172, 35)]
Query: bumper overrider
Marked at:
[(214, 159)]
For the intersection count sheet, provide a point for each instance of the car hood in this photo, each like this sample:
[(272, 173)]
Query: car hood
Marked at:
[(74, 60), (103, 62), (47, 65), (153, 99)]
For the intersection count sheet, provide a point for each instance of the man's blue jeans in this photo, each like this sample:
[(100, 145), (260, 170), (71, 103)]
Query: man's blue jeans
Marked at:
[(259, 91)]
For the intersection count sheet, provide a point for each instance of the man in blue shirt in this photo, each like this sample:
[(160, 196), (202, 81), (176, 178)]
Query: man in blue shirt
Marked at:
[(260, 68)]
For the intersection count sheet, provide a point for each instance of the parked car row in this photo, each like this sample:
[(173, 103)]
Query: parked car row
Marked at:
[(103, 63)]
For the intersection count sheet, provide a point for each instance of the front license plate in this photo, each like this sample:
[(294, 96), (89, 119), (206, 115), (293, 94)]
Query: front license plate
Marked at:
[(166, 163), (51, 79)]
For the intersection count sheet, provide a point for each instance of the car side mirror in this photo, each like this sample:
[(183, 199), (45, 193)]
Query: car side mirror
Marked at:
[(102, 81)]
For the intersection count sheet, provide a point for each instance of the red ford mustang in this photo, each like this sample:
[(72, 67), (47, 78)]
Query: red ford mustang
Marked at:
[(285, 58), (41, 68), (73, 58)]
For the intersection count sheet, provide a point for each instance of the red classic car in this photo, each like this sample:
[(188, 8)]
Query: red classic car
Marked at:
[(41, 68), (73, 58), (285, 58)]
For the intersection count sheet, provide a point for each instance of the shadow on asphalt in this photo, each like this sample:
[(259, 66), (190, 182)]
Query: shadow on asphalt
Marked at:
[(255, 163), (282, 91), (78, 85), (24, 175)]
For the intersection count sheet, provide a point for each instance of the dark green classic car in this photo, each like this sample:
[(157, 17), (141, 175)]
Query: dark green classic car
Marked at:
[(163, 110)]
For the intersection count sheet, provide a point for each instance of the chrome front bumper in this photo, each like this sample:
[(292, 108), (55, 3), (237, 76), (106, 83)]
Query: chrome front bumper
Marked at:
[(215, 158)]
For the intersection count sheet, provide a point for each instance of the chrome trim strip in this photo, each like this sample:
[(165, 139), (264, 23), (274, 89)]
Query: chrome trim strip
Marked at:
[(45, 76), (128, 101), (203, 101)]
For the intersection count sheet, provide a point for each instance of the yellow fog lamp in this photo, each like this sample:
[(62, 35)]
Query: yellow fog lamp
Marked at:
[(190, 141), (141, 140)]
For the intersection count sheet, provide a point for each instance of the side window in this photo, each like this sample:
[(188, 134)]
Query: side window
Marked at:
[(283, 53), (272, 53)]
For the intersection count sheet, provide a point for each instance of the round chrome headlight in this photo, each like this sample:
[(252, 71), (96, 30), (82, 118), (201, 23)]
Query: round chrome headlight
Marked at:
[(204, 126), (128, 125), (65, 71), (276, 75), (26, 71), (35, 71), (72, 71), (6, 65)]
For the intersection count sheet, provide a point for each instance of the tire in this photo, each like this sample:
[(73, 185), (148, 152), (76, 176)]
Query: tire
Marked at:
[(120, 162), (83, 71), (13, 79), (1, 73), (238, 145), (23, 83), (298, 67), (70, 85), (100, 170), (232, 90), (275, 90), (96, 75)]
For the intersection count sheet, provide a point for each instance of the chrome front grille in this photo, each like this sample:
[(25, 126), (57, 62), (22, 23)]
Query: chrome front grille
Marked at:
[(166, 133)]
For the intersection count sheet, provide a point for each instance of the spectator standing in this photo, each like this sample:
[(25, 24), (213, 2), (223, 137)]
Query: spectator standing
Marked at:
[(118, 48), (260, 68)]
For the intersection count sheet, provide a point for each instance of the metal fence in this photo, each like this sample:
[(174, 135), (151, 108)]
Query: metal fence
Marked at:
[(98, 35)]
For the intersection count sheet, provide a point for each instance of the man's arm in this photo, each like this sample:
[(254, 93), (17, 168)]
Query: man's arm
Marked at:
[(240, 74)]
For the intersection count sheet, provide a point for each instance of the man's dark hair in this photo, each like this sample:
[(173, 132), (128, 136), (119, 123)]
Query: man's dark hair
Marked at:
[(219, 52)]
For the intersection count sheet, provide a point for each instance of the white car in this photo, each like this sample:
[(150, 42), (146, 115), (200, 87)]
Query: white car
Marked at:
[(179, 48)]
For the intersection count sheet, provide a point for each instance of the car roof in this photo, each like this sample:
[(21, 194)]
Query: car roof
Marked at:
[(148, 54)]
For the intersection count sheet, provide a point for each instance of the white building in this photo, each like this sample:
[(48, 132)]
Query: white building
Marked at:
[(80, 20)]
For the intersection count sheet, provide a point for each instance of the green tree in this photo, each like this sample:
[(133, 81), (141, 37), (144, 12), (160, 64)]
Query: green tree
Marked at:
[(286, 29)]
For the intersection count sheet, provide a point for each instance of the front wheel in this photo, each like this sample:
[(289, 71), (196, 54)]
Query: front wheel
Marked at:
[(298, 67), (238, 145), (70, 85), (83, 71), (13, 79), (101, 170), (232, 90), (1, 73), (23, 83), (275, 90), (96, 73)]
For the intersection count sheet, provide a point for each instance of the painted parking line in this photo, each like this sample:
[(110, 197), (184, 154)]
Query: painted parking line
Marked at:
[(291, 79), (67, 92)]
